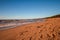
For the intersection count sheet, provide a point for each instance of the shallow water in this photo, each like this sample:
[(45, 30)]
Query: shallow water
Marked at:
[(15, 24), (12, 25)]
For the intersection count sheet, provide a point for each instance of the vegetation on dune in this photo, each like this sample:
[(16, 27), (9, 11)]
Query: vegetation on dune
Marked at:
[(55, 16)]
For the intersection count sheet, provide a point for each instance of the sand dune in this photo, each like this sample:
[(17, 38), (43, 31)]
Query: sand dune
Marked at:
[(47, 30)]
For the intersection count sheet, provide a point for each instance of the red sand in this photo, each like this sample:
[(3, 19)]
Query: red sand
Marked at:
[(48, 30)]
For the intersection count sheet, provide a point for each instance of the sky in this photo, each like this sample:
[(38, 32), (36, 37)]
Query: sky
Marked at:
[(28, 9)]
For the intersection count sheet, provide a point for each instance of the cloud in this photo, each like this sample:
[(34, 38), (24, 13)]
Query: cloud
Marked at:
[(18, 17), (11, 17), (15, 17), (2, 17)]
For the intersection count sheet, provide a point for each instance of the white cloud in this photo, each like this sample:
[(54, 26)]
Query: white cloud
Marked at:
[(11, 17), (16, 17), (2, 17)]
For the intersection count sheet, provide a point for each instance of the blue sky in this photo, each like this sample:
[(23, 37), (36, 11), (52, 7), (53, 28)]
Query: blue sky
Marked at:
[(26, 9)]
